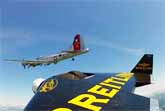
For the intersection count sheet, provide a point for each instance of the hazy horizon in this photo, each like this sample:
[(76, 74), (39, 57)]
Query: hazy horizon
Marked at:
[(118, 33)]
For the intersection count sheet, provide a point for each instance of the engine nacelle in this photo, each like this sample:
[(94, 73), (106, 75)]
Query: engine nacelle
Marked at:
[(36, 84)]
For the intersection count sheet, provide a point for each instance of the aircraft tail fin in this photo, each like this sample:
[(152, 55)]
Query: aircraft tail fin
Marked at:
[(78, 43), (143, 70)]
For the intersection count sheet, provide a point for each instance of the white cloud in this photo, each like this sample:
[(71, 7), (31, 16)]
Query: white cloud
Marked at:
[(26, 38), (155, 91), (13, 39), (12, 100), (152, 90), (114, 45)]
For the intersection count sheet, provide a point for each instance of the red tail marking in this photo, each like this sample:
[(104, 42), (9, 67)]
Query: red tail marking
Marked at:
[(76, 43)]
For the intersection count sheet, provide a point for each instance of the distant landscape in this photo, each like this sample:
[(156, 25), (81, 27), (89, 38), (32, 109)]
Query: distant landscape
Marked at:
[(162, 101), (11, 108)]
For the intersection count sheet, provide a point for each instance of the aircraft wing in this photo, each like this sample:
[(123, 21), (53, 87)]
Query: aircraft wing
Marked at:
[(29, 63), (81, 91), (16, 60), (25, 61), (89, 92)]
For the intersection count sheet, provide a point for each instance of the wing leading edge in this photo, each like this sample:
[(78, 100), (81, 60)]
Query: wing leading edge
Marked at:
[(28, 63)]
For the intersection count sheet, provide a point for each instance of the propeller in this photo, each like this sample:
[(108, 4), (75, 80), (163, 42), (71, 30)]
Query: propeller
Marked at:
[(24, 65)]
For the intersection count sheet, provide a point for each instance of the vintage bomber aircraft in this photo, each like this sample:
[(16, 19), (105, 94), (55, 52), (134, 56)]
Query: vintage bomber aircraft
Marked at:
[(81, 91), (78, 48)]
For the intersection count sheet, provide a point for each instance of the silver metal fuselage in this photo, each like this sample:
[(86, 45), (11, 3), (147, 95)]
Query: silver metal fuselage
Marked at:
[(61, 56)]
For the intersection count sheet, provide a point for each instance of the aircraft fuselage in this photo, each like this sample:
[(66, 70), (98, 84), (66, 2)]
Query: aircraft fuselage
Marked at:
[(61, 56)]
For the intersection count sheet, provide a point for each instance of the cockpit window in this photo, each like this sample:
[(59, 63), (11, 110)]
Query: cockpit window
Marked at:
[(75, 75)]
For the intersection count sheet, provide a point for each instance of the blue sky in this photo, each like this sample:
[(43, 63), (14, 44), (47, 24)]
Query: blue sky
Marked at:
[(117, 32)]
